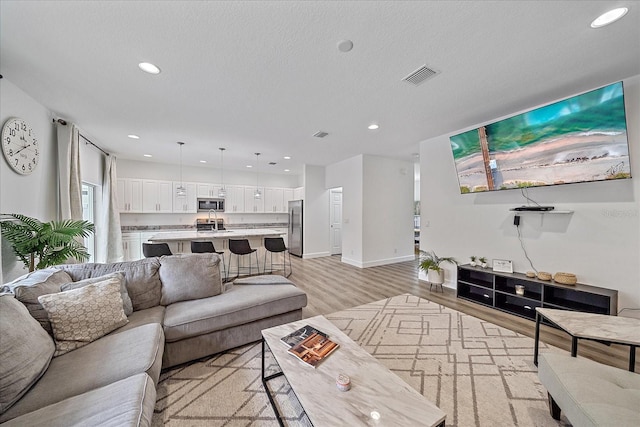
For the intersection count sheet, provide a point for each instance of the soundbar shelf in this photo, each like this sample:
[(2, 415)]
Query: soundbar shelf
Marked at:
[(498, 290)]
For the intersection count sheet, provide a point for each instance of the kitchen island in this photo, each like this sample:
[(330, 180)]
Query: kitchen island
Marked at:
[(180, 242)]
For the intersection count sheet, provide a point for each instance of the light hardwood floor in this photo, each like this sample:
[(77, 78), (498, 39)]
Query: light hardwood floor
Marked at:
[(332, 285)]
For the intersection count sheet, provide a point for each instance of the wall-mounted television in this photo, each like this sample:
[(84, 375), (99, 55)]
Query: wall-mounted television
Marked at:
[(579, 139)]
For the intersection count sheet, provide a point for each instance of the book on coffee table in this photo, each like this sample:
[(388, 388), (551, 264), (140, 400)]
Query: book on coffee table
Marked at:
[(300, 335), (314, 349)]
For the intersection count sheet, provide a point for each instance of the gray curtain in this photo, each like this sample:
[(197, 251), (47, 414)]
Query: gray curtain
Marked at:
[(69, 176), (110, 235)]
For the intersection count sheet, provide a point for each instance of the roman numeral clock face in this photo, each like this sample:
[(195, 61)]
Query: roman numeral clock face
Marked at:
[(20, 146)]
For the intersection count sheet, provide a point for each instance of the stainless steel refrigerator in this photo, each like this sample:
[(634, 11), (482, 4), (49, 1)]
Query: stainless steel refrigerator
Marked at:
[(295, 227)]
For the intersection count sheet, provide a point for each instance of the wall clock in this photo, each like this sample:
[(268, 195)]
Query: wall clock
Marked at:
[(20, 146)]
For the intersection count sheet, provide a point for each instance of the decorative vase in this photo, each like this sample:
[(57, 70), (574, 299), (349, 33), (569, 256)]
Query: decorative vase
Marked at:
[(484, 265), (435, 277)]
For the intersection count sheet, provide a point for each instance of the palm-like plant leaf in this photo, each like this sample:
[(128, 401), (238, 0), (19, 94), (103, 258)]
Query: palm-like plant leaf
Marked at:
[(50, 243)]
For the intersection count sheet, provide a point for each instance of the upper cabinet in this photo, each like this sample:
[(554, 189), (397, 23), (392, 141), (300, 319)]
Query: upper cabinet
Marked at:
[(298, 193), (157, 196), (274, 200), (188, 202), (251, 204), (208, 191), (288, 196), (129, 193), (234, 202)]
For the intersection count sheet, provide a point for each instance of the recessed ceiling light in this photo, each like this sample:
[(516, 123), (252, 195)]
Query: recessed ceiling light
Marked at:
[(148, 155), (249, 166), (345, 45), (287, 157), (287, 170), (148, 67), (203, 161), (609, 17), (373, 126), (132, 136)]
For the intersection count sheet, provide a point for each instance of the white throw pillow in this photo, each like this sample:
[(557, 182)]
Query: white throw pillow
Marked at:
[(81, 316)]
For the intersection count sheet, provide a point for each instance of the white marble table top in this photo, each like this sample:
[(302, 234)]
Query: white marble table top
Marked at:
[(623, 330), (377, 397), (172, 236)]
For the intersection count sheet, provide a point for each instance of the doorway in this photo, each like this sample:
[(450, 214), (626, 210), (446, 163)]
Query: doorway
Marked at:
[(335, 209)]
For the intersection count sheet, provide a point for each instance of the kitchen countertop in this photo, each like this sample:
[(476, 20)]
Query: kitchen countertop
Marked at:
[(170, 236), (192, 227)]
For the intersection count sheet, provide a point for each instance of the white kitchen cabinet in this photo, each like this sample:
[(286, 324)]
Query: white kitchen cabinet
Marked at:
[(234, 202), (274, 200), (187, 203), (131, 246), (208, 191), (157, 196), (129, 193), (180, 247), (251, 204), (298, 193), (288, 196)]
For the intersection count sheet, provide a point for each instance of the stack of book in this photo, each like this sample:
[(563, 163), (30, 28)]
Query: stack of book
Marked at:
[(309, 345)]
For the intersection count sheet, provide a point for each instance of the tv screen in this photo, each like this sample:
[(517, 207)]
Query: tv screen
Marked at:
[(578, 139)]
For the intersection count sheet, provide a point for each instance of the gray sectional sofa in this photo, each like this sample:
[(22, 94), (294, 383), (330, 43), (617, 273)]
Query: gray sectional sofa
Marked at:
[(177, 309)]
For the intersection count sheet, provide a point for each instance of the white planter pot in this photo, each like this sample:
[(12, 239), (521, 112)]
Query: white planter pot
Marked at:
[(472, 263), (435, 277)]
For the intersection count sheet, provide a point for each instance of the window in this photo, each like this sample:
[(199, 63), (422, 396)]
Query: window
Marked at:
[(88, 214)]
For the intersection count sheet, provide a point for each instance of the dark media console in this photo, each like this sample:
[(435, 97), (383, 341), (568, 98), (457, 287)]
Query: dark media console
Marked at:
[(498, 290), (533, 208)]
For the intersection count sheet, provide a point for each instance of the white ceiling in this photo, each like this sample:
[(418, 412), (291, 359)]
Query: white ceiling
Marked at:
[(264, 76)]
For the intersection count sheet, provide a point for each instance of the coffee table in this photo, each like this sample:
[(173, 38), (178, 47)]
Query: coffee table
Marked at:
[(377, 396), (590, 326)]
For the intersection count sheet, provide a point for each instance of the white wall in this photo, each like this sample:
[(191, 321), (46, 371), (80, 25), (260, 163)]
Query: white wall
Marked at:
[(35, 194), (348, 174), (315, 213), (599, 242), (387, 220)]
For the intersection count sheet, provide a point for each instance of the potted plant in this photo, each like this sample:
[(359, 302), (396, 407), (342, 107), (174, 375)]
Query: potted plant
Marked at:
[(40, 245), (483, 261), (430, 262), (473, 260)]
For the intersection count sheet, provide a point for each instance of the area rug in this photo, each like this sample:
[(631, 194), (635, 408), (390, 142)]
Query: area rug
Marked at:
[(478, 373)]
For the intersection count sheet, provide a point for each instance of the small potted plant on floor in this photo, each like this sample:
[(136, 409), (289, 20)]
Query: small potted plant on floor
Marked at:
[(473, 260), (483, 261), (430, 263)]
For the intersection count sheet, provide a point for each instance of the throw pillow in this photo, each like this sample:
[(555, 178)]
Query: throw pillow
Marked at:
[(189, 276), (81, 316), (25, 351), (119, 275), (29, 287)]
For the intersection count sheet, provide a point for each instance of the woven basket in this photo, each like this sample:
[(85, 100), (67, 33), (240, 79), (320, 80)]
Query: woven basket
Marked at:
[(530, 274), (543, 275), (565, 278)]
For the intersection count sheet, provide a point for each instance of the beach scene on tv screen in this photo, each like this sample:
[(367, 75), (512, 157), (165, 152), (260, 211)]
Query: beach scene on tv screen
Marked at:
[(579, 139)]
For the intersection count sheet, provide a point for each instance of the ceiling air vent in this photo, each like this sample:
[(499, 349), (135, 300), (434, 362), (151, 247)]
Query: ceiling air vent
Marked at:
[(420, 75), (272, 163), (320, 134)]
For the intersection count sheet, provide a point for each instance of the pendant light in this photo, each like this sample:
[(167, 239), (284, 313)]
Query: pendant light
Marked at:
[(257, 194), (222, 193), (181, 191)]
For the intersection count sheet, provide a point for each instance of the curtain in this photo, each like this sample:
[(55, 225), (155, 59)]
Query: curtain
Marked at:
[(69, 177), (110, 235)]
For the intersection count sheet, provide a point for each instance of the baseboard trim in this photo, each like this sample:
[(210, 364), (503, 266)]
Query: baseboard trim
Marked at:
[(377, 263), (316, 255)]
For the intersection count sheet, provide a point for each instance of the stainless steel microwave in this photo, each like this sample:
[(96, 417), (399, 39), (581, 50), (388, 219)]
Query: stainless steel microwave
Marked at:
[(206, 205)]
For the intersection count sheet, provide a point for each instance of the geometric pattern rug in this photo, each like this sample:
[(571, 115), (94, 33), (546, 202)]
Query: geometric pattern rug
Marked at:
[(478, 373)]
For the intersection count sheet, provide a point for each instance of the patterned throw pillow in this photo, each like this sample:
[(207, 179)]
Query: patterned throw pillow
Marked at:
[(83, 315), (126, 301)]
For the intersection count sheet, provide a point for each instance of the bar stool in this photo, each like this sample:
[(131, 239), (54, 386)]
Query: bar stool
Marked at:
[(208, 247), (276, 244), (151, 250), (241, 247)]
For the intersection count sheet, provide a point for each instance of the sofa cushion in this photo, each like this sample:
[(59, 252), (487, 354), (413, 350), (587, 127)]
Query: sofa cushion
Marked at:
[(237, 306), (29, 287), (142, 278), (119, 275), (143, 317), (128, 402), (105, 361), (189, 276), (81, 316), (25, 351), (265, 279)]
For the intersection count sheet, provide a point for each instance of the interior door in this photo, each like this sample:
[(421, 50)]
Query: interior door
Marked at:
[(336, 220)]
